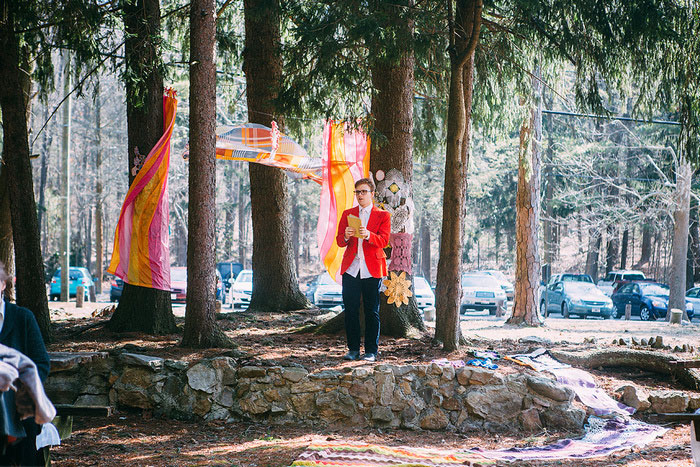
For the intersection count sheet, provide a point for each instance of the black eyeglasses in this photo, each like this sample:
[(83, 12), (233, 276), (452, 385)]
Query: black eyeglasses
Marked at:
[(362, 192)]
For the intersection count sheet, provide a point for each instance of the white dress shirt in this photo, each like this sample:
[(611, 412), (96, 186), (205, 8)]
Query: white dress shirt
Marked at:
[(359, 264)]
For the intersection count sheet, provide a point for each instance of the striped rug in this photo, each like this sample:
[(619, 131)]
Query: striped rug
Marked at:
[(339, 454)]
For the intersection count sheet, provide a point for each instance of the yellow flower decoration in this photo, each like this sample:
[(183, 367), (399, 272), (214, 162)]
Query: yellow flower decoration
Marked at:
[(398, 289)]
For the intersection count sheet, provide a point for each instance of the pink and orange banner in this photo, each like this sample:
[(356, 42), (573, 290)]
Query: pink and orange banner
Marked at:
[(345, 160), (141, 254)]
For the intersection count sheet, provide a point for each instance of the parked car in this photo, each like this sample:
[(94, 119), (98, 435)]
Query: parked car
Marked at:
[(693, 296), (220, 289), (649, 300), (327, 293), (241, 289), (614, 278), (228, 270), (481, 291), (506, 285), (116, 286), (575, 298), (77, 276), (178, 284), (423, 292)]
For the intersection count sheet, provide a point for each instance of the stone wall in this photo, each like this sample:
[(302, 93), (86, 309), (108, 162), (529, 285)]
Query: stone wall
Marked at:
[(427, 396)]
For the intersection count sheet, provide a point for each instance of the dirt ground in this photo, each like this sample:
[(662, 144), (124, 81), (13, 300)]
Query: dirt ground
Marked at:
[(139, 439)]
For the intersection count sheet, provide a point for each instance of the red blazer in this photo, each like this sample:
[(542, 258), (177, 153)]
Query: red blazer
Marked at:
[(379, 226)]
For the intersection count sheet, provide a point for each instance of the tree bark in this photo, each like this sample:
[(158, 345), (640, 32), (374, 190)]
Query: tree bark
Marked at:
[(611, 249), (65, 183), (464, 36), (392, 109), (141, 308), (680, 237), (275, 284), (242, 224), (646, 247), (7, 249), (99, 231), (41, 207), (29, 265), (594, 242), (201, 328), (527, 262), (624, 248), (425, 249), (549, 241)]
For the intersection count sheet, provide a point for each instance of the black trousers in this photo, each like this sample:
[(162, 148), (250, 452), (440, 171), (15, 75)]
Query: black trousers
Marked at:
[(23, 452), (366, 290)]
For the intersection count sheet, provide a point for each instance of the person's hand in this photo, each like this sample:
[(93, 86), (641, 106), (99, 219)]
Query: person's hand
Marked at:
[(364, 233), (349, 232)]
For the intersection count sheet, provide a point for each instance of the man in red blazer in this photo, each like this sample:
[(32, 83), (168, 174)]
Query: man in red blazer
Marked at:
[(363, 266)]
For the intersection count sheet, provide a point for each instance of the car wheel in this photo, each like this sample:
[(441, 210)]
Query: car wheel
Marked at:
[(616, 313), (543, 310), (565, 310), (492, 311), (645, 314)]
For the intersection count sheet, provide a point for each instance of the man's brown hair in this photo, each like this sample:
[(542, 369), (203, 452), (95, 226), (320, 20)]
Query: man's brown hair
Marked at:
[(365, 181)]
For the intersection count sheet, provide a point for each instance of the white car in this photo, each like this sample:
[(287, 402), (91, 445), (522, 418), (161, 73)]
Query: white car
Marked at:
[(506, 285), (328, 292), (482, 291), (611, 279), (693, 296), (423, 293), (241, 289)]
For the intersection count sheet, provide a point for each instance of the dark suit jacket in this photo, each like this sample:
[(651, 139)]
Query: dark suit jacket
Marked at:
[(379, 226)]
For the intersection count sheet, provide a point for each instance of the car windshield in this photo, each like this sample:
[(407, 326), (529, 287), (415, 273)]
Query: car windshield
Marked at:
[(479, 281), (576, 278), (326, 279), (654, 289), (633, 277), (246, 276), (178, 274), (498, 275), (580, 287), (421, 283)]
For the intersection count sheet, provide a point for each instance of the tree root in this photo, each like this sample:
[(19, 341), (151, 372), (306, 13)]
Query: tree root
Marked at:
[(642, 359)]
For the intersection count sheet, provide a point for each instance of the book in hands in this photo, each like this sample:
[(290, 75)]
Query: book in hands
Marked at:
[(355, 223)]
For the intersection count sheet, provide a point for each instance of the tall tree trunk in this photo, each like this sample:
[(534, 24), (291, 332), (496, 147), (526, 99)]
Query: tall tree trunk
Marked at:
[(65, 183), (142, 308), (611, 250), (549, 242), (464, 36), (392, 108), (275, 284), (296, 230), (99, 230), (6, 244), (29, 266), (681, 216), (646, 247), (242, 223), (594, 242), (527, 262), (45, 146), (425, 248), (201, 329), (623, 248)]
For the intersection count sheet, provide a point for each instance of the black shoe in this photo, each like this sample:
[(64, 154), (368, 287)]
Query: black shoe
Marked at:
[(370, 357), (352, 355)]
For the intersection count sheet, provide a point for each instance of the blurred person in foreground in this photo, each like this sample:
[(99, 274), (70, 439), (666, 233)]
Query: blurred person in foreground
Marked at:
[(20, 331)]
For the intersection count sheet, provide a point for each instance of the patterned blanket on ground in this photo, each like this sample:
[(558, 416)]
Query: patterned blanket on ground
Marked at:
[(337, 454)]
